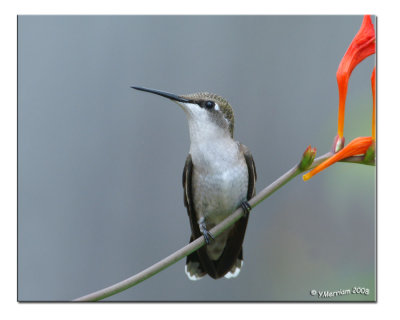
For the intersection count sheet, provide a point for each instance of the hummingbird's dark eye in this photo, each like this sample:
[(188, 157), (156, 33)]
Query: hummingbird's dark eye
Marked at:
[(209, 104)]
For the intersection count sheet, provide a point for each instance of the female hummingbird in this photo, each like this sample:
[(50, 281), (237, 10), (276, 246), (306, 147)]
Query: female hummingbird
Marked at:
[(218, 177)]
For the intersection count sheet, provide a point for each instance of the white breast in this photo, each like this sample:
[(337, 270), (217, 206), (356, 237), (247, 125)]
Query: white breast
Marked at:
[(219, 193), (220, 183)]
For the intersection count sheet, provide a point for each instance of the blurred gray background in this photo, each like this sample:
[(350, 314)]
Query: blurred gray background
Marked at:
[(100, 165)]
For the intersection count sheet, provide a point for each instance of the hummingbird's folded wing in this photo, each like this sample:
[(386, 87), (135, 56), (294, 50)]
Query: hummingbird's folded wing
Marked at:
[(251, 167), (188, 195)]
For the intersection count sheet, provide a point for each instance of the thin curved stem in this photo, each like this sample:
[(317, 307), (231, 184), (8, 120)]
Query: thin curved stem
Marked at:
[(199, 242)]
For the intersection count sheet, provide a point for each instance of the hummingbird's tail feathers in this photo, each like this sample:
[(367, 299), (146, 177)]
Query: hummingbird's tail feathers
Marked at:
[(235, 270), (193, 271)]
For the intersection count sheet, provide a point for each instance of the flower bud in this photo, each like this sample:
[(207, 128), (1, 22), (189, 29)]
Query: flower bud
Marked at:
[(338, 144), (308, 158)]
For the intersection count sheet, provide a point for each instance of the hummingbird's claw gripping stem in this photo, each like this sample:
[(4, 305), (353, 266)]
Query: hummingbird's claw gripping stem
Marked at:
[(203, 229), (246, 208)]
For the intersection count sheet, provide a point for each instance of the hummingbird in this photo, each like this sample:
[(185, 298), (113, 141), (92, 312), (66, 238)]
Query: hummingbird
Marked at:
[(219, 176)]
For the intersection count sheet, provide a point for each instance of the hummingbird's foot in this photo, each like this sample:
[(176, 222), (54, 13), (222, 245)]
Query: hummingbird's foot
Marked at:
[(206, 234), (246, 208)]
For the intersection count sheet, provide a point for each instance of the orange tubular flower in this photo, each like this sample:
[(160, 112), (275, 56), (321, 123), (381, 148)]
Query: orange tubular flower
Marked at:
[(373, 102), (362, 46), (358, 146)]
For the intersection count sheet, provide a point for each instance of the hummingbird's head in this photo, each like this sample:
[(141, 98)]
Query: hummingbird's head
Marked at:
[(204, 110)]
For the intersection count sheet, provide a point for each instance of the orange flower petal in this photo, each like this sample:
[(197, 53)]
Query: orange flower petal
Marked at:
[(357, 146), (373, 102), (362, 46)]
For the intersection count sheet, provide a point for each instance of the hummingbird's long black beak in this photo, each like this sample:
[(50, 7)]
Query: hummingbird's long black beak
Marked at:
[(163, 94)]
